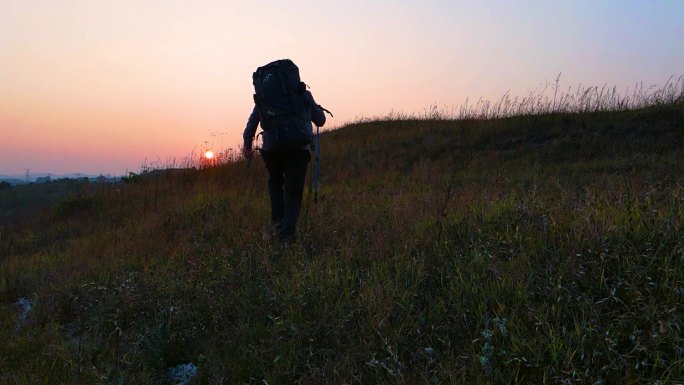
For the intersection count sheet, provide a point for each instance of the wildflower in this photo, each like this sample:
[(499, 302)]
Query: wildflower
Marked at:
[(183, 373), (501, 325), (487, 356), (26, 305)]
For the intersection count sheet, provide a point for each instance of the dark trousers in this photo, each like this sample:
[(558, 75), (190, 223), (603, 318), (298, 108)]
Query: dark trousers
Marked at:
[(286, 175)]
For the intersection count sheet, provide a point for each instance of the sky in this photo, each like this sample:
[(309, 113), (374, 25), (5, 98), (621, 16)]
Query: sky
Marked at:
[(105, 87)]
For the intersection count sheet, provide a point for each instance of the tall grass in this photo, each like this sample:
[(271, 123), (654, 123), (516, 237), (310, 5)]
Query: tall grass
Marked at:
[(541, 249), (552, 99)]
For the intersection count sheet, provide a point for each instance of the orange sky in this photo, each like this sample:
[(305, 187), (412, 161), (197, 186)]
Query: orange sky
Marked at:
[(101, 86)]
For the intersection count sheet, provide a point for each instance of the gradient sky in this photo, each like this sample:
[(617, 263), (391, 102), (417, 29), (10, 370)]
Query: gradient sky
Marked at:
[(101, 86)]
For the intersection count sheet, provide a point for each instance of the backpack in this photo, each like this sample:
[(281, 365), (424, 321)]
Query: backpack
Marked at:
[(284, 110)]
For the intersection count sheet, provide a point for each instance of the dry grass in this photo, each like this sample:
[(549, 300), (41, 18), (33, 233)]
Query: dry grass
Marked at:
[(541, 248)]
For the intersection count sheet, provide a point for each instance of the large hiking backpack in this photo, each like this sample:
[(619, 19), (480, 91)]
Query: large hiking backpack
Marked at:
[(284, 110)]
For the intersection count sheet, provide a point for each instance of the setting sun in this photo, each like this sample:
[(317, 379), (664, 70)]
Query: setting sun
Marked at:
[(209, 154)]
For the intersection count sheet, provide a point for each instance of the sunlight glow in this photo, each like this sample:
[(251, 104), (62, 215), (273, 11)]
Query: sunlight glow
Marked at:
[(176, 75), (209, 154)]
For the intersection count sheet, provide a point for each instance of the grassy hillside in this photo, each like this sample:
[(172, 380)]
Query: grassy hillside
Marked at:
[(534, 249), (22, 202)]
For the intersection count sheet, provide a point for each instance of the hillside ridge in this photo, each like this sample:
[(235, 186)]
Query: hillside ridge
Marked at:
[(515, 250)]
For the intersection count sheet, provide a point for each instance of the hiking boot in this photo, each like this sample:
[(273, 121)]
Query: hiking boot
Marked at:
[(269, 232), (286, 240)]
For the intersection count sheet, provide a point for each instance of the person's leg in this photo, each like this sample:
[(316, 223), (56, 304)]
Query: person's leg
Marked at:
[(295, 175), (275, 165)]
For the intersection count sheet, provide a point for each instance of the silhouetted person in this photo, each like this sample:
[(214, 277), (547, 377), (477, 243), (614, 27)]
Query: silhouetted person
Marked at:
[(285, 110)]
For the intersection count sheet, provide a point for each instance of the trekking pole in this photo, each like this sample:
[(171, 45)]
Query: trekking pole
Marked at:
[(256, 148), (249, 160), (316, 165), (318, 142)]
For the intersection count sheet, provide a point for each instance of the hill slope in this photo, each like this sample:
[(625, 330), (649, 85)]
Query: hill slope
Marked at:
[(523, 250)]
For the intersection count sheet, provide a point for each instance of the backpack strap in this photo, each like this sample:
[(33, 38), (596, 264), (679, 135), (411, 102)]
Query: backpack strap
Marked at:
[(323, 108)]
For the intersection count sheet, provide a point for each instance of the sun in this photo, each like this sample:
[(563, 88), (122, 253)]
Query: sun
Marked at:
[(209, 154)]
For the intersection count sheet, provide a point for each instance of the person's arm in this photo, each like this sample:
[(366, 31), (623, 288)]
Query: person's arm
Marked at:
[(317, 114), (250, 128)]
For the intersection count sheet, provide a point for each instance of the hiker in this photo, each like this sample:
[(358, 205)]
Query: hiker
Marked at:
[(285, 109)]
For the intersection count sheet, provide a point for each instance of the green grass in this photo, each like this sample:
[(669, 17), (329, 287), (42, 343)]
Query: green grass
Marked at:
[(543, 248)]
